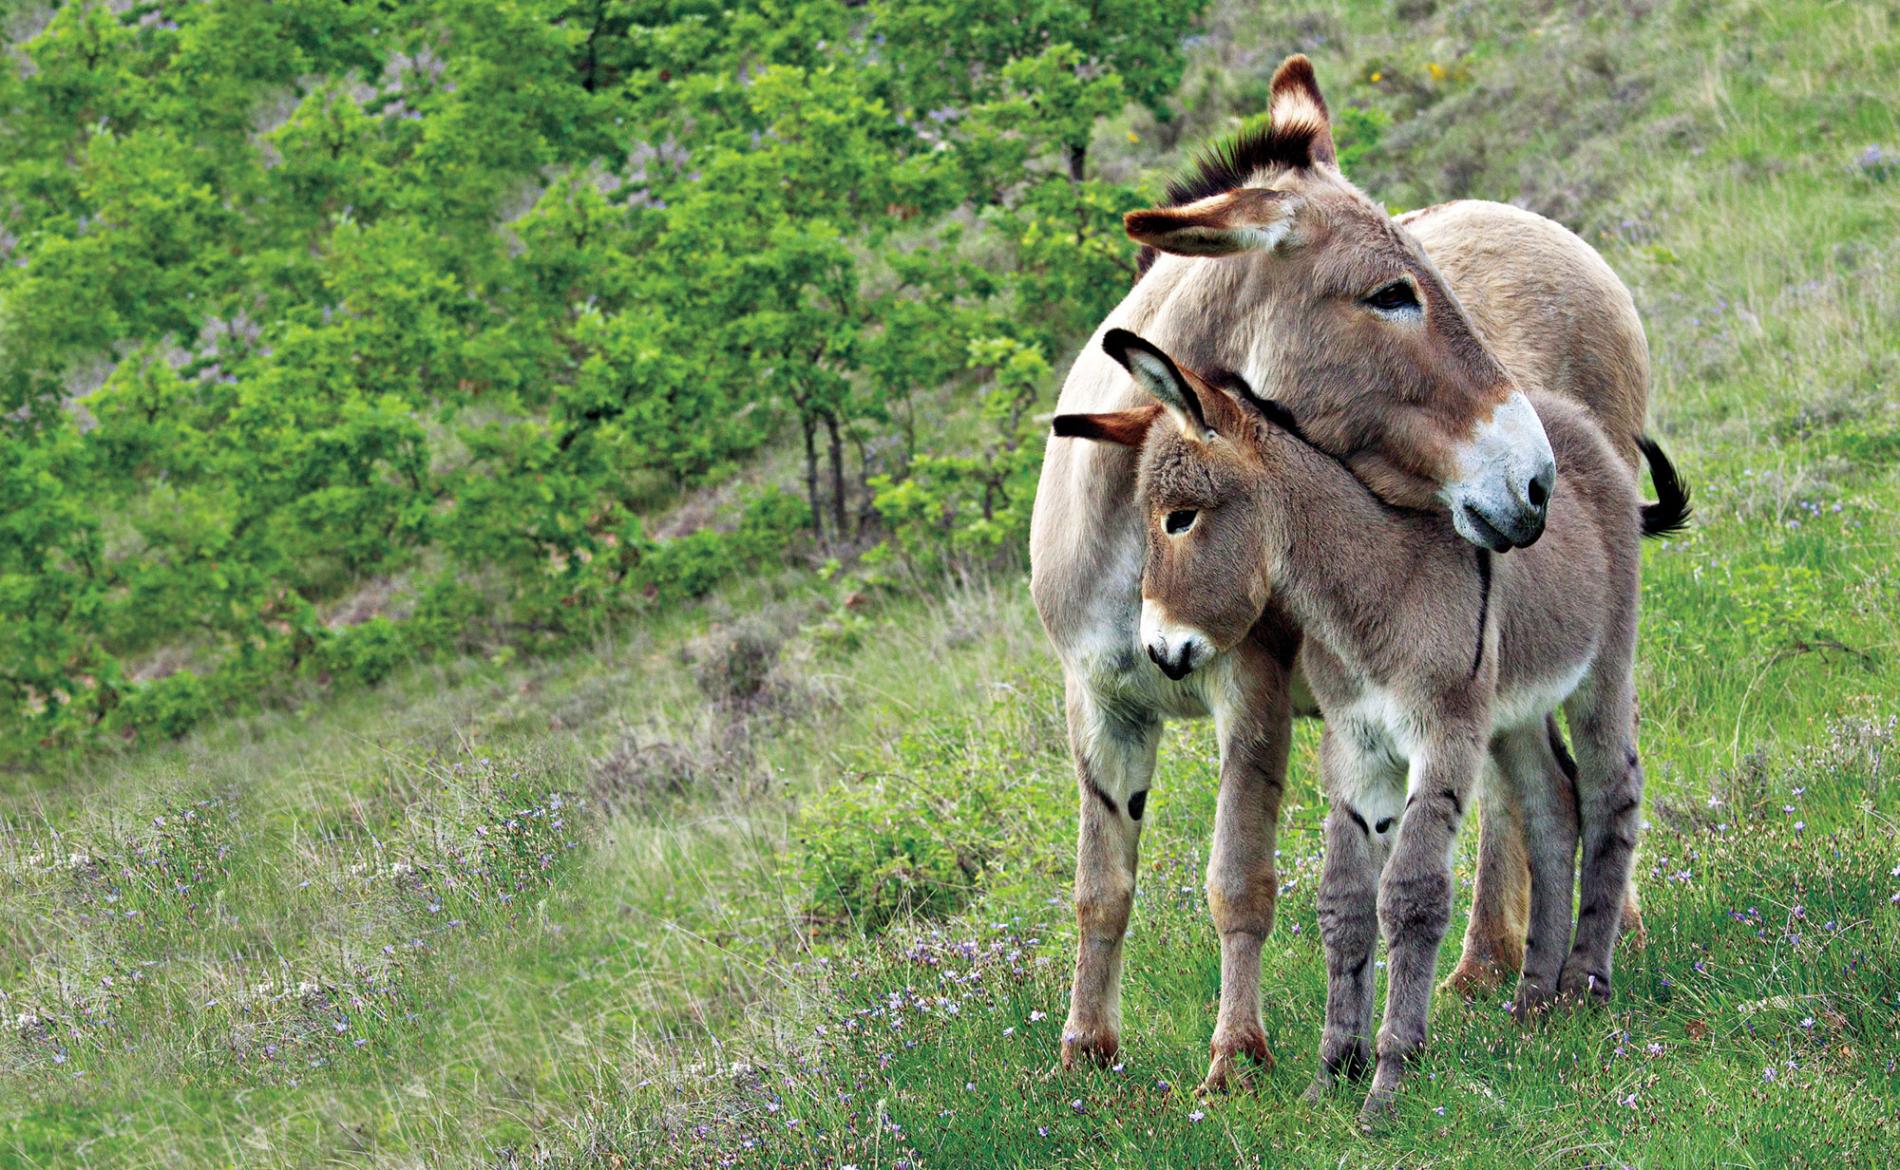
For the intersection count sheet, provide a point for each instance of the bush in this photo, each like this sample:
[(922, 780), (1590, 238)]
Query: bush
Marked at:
[(918, 832)]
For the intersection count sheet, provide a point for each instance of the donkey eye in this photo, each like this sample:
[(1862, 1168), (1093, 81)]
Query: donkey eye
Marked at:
[(1393, 297), (1179, 521)]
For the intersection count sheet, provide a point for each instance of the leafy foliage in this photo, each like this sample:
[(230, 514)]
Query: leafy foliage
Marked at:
[(302, 298)]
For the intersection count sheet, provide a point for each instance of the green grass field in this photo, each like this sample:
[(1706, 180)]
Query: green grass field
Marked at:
[(782, 879)]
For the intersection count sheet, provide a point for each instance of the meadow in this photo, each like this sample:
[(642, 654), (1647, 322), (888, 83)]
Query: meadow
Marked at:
[(775, 872)]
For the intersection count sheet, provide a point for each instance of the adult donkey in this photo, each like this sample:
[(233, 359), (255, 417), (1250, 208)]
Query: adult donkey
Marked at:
[(1404, 348)]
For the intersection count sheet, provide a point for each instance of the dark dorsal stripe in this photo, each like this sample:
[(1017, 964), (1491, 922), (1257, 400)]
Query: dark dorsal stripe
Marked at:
[(1088, 779), (1484, 606)]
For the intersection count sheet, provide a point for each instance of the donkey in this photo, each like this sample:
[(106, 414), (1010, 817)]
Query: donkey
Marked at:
[(1268, 263), (1425, 656)]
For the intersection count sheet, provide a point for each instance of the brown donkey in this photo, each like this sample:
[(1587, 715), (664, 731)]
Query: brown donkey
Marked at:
[(1405, 348), (1427, 657)]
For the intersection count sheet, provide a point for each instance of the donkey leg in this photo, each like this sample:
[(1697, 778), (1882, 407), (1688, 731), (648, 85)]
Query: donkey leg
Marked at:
[(1114, 751), (1526, 762), (1255, 723), (1415, 900), (1609, 807), (1364, 792)]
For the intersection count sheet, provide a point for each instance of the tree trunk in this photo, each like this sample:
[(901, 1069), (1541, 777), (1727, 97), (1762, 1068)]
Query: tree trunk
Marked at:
[(837, 474), (808, 425), (1078, 162)]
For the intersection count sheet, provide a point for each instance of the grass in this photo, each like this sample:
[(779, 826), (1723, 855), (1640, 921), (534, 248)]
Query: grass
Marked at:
[(782, 880)]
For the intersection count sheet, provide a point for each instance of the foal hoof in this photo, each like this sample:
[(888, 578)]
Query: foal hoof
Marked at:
[(1532, 1001), (1322, 1089), (1376, 1114), (1585, 988), (1089, 1046), (1234, 1062)]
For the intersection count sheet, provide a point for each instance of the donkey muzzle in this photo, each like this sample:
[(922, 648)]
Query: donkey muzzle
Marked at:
[(1179, 665), (1507, 473)]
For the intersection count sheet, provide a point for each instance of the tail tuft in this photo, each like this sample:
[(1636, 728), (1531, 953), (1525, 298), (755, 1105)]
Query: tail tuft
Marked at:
[(1669, 515)]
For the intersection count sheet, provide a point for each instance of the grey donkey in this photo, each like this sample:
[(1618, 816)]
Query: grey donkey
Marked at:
[(1431, 661)]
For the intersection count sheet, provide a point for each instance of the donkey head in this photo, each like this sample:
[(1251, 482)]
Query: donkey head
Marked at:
[(1327, 305), (1200, 486)]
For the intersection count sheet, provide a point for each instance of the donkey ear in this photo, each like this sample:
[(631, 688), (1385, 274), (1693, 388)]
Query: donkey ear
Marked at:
[(1297, 111), (1246, 219), (1127, 428), (1160, 377)]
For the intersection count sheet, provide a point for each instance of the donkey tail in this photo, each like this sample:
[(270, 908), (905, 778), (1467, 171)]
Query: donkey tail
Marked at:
[(1669, 515)]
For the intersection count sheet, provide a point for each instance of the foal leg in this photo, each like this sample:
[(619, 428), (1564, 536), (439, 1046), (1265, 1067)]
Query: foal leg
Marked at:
[(1255, 723), (1525, 762), (1415, 900), (1500, 899), (1609, 804), (1364, 791), (1631, 926), (1114, 752)]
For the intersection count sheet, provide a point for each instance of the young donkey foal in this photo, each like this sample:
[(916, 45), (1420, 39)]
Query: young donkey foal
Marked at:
[(1425, 655)]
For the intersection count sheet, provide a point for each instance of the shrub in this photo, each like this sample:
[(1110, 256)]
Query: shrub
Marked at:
[(919, 831)]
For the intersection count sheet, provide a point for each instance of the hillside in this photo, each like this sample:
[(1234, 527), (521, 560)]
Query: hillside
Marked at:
[(762, 857)]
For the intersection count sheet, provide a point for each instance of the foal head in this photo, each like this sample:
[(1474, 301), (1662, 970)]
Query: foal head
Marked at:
[(1204, 487), (1324, 303)]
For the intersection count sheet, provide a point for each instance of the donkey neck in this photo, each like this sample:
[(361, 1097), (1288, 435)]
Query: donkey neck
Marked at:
[(1338, 556)]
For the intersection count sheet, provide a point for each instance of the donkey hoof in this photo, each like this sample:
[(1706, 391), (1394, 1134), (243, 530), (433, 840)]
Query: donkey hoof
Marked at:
[(1472, 978), (1233, 1059), (1089, 1046), (1634, 935)]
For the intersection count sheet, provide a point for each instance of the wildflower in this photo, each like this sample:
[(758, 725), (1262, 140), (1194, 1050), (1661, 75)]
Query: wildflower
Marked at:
[(1768, 1074), (1439, 1109), (1035, 1016), (1376, 77), (1196, 1116)]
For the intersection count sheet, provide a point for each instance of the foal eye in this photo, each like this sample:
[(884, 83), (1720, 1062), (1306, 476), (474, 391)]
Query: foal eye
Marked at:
[(1179, 521), (1393, 297)]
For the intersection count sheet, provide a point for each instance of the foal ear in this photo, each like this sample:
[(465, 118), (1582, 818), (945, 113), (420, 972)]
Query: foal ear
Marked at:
[(1127, 428), (1160, 377), (1298, 112), (1246, 219)]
